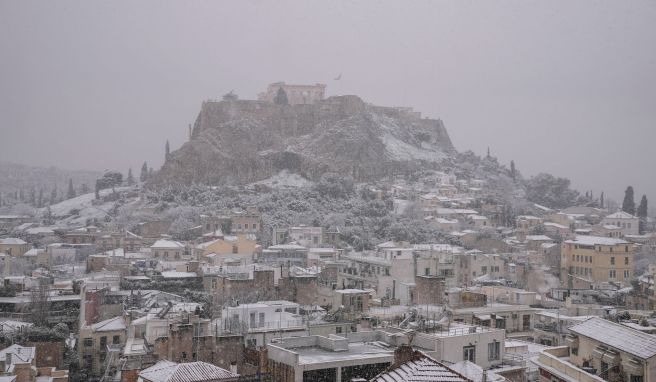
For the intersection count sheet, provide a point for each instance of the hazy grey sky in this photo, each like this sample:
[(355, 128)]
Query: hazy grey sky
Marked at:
[(559, 86)]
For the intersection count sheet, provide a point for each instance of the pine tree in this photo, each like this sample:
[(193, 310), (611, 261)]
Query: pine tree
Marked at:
[(130, 179), (601, 200), (53, 195), (628, 205), (167, 151), (84, 189), (33, 197), (97, 190), (39, 203), (488, 152), (70, 194), (642, 208), (144, 172), (281, 97), (513, 170), (21, 195)]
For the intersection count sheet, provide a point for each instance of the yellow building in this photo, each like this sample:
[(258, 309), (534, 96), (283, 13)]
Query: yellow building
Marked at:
[(13, 247), (241, 248), (596, 259)]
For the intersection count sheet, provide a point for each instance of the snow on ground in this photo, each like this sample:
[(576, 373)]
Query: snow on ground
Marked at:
[(285, 179), (84, 204)]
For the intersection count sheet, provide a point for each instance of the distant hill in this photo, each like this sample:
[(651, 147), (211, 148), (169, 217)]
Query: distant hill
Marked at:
[(14, 177), (245, 141)]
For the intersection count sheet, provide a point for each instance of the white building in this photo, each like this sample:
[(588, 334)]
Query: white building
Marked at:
[(629, 224)]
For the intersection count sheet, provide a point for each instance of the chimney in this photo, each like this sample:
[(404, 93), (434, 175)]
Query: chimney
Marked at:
[(404, 353), (233, 367)]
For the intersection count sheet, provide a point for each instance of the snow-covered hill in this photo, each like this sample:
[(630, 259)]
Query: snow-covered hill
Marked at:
[(242, 142)]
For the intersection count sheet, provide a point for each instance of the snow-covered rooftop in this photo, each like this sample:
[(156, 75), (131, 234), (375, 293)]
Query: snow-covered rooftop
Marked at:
[(595, 240), (167, 371), (623, 338)]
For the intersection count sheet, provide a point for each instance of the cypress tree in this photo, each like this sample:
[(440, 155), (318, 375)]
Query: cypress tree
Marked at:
[(642, 208), (70, 194), (628, 205)]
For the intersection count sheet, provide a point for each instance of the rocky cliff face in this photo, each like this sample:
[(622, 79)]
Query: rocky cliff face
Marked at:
[(239, 142)]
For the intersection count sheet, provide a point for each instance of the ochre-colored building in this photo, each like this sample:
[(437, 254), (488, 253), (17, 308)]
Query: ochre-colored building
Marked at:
[(597, 260)]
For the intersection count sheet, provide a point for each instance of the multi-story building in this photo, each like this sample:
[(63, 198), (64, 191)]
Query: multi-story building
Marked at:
[(247, 221), (629, 224), (594, 259), (97, 340)]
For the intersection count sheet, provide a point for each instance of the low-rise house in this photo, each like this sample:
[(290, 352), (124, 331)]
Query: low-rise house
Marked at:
[(14, 247), (241, 248), (19, 361), (169, 250), (601, 350)]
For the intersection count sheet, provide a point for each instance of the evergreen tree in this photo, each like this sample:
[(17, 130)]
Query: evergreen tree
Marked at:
[(144, 172), (53, 195), (130, 177), (21, 195), (281, 97), (167, 151), (513, 170), (628, 205), (39, 203), (601, 200), (488, 152), (70, 194), (642, 208), (84, 189), (97, 190), (33, 197)]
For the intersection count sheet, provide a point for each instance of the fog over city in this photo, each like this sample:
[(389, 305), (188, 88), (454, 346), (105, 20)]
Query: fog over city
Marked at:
[(562, 87)]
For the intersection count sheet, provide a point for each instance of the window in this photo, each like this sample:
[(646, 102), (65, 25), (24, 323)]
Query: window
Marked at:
[(88, 342), (612, 273), (116, 340), (251, 343), (88, 361), (483, 270), (626, 273), (254, 226), (338, 330), (103, 341), (427, 271), (493, 350), (246, 226), (626, 248), (636, 378), (261, 317), (612, 261), (626, 261), (469, 353)]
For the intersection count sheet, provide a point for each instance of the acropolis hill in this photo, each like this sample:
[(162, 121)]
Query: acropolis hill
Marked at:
[(243, 141)]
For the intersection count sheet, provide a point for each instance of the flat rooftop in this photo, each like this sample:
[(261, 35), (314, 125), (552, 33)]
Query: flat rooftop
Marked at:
[(357, 351)]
